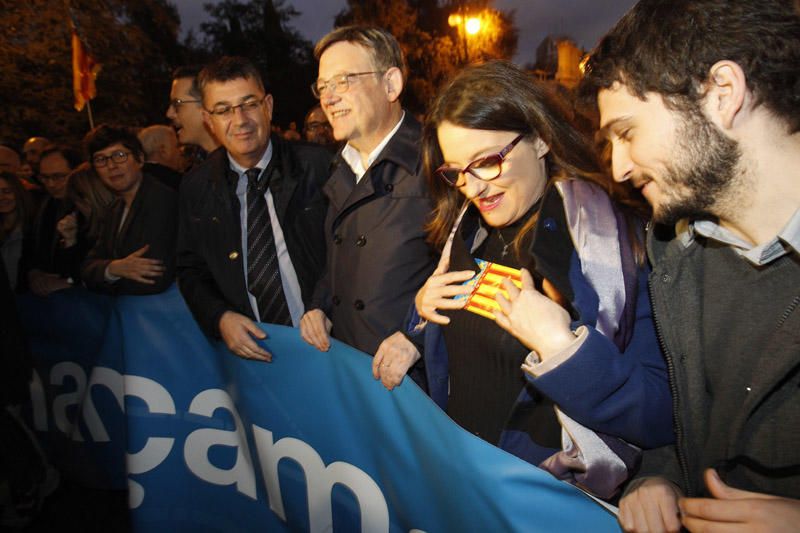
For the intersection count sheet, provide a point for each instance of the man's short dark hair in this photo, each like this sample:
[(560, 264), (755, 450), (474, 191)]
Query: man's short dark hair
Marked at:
[(382, 46), (189, 71), (71, 156), (669, 46), (105, 135), (229, 68)]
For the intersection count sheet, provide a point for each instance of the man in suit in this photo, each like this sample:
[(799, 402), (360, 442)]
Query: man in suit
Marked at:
[(135, 252), (48, 268), (377, 256), (251, 245)]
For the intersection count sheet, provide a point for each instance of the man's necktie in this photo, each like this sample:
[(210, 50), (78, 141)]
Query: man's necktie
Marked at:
[(263, 274)]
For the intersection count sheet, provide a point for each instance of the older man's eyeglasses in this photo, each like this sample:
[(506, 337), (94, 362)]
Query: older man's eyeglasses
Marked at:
[(226, 111), (338, 84), (486, 168), (118, 157)]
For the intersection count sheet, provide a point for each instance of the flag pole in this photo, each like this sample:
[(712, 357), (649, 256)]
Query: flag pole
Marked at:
[(89, 110)]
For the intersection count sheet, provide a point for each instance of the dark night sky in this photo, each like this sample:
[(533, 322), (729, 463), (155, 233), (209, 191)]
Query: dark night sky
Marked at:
[(583, 20)]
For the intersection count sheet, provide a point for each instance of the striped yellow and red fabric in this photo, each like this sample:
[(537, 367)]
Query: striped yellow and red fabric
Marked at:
[(485, 284)]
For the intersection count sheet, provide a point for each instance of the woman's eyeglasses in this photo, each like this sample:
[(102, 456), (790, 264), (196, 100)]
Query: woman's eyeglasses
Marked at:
[(486, 168)]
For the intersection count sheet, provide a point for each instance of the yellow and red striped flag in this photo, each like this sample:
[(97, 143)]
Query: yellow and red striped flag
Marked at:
[(84, 72)]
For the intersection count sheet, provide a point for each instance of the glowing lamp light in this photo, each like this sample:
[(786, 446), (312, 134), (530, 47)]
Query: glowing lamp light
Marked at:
[(454, 20), (473, 25)]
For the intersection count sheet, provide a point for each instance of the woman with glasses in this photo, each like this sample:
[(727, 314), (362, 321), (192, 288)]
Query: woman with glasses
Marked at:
[(520, 195)]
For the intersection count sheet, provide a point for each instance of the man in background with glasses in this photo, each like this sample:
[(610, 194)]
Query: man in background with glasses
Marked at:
[(49, 269), (377, 254), (185, 110), (251, 246), (135, 252)]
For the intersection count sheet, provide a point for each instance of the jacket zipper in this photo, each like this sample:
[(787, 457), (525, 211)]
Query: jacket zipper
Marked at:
[(673, 390)]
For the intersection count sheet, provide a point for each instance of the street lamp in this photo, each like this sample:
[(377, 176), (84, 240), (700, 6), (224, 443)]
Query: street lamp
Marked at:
[(467, 26), (472, 25)]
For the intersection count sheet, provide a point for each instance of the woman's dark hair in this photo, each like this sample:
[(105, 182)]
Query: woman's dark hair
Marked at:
[(105, 135), (84, 186), (500, 96), (23, 212)]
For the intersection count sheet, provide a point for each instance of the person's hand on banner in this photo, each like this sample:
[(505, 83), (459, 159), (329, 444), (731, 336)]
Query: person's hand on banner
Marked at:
[(44, 283), (238, 331), (394, 357), (315, 329)]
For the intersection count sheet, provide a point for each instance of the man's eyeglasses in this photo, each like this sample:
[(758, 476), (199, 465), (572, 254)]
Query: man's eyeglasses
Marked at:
[(486, 168), (58, 176), (118, 157), (226, 111), (338, 84), (314, 125), (177, 103)]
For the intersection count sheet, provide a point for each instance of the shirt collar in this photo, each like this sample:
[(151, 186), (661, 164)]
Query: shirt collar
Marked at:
[(262, 163), (785, 242), (352, 156)]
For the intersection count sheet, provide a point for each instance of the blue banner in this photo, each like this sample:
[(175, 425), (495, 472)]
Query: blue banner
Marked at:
[(131, 394)]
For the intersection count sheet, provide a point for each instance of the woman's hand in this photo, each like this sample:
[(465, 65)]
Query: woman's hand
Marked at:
[(438, 293), (536, 320), (136, 267)]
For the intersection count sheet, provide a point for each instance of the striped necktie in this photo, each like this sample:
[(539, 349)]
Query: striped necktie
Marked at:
[(263, 273)]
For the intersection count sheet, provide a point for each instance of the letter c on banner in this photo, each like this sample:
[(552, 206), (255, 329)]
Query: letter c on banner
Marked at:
[(156, 449)]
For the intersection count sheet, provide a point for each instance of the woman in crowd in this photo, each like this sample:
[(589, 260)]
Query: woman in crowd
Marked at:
[(79, 229), (517, 187), (15, 214)]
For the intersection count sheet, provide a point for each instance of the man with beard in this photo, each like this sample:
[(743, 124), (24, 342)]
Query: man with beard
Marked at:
[(698, 99)]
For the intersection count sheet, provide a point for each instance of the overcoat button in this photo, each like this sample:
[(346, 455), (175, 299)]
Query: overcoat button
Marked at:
[(388, 187), (336, 300), (550, 224), (362, 240), (359, 305), (215, 220), (233, 256), (337, 239)]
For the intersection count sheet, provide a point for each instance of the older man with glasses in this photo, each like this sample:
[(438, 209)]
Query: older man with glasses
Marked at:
[(135, 252), (251, 245), (377, 254), (49, 268)]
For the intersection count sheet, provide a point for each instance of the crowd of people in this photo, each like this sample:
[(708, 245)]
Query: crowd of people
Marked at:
[(618, 307)]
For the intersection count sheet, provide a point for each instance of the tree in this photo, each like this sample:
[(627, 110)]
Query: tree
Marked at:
[(434, 50), (135, 41), (260, 30)]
